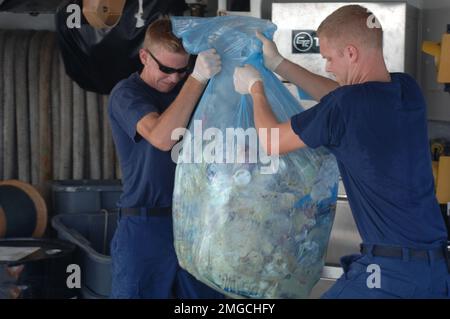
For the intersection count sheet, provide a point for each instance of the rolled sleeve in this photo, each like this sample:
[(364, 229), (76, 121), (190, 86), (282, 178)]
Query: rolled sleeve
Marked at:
[(128, 107), (321, 125)]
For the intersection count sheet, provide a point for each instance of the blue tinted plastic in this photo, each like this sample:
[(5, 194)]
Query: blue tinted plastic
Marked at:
[(248, 229)]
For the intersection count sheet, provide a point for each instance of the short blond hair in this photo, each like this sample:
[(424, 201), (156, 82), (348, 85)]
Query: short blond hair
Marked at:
[(159, 34), (352, 24)]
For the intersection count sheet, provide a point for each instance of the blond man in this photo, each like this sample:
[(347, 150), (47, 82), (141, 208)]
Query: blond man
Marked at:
[(144, 110), (375, 123)]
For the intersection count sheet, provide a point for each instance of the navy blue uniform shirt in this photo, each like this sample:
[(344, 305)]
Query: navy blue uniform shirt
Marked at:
[(147, 173), (378, 133)]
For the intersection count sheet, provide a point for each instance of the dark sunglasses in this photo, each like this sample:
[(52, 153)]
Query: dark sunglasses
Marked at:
[(168, 69)]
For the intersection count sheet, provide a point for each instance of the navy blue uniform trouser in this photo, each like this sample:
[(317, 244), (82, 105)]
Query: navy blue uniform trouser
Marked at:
[(399, 278), (144, 263)]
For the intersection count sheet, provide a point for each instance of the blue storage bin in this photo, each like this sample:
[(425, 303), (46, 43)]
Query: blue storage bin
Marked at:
[(82, 196), (92, 234), (86, 293)]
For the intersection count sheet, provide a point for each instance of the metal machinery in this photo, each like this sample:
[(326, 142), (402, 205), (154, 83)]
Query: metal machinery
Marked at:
[(297, 41)]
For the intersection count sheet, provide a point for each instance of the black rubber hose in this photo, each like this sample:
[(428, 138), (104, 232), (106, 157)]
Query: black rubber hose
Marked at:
[(66, 99), (10, 139), (92, 109), (3, 35), (22, 111), (33, 93), (56, 115), (108, 144), (45, 144), (79, 131)]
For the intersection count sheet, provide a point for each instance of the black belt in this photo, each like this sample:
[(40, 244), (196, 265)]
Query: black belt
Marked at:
[(144, 211), (403, 253)]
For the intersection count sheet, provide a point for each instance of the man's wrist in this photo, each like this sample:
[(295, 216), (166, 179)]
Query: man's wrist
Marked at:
[(275, 62), (256, 87), (197, 76), (197, 83)]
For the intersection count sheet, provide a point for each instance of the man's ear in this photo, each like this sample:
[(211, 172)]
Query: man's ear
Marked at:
[(143, 56), (352, 53)]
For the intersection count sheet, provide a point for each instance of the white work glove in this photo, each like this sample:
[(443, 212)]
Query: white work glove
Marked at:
[(207, 65), (244, 78), (272, 58)]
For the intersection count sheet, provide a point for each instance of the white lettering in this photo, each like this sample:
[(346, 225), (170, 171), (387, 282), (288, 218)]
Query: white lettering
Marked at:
[(74, 279), (241, 146), (74, 19), (374, 279)]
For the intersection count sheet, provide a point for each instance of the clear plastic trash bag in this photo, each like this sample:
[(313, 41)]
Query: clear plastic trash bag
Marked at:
[(248, 229)]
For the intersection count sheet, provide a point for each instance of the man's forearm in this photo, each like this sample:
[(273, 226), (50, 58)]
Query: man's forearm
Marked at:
[(178, 113), (264, 117), (315, 85)]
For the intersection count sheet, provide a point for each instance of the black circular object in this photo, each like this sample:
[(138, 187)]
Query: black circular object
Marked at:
[(2, 222), (45, 271), (23, 210), (15, 200)]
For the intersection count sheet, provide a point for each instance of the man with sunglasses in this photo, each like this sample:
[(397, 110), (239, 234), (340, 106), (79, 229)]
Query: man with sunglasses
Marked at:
[(144, 110)]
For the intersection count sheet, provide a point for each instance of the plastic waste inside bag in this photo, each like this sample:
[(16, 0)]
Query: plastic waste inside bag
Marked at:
[(248, 228)]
